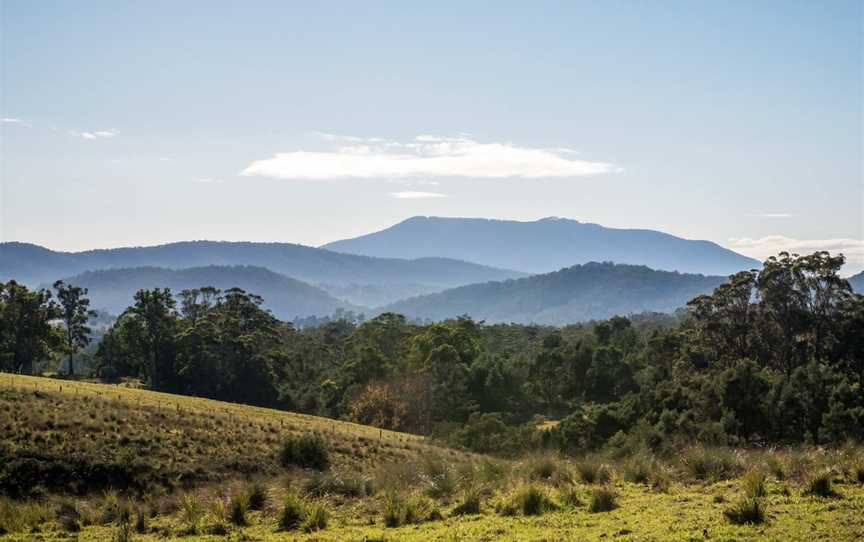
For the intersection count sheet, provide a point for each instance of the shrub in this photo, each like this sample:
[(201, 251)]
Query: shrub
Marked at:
[(711, 464), (256, 496), (593, 472), (316, 518), (748, 511), (237, 509), (753, 484), (820, 484), (603, 499), (308, 451), (293, 512)]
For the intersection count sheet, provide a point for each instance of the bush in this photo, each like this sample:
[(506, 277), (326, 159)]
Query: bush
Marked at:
[(316, 518), (602, 500), (711, 464), (308, 451), (748, 511), (821, 484), (293, 512), (593, 472)]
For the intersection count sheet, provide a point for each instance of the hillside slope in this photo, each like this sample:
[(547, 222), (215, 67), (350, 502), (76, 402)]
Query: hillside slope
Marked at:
[(573, 294), (112, 289), (543, 246), (83, 434), (33, 265)]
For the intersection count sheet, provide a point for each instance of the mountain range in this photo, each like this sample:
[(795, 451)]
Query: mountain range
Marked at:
[(112, 290), (543, 245), (577, 293), (391, 278)]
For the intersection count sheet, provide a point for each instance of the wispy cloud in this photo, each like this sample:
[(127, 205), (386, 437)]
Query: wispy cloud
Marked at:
[(770, 245), (772, 215), (424, 156), (9, 120), (416, 195), (99, 134)]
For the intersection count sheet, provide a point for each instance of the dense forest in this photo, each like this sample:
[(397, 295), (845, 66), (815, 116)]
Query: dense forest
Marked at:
[(774, 355)]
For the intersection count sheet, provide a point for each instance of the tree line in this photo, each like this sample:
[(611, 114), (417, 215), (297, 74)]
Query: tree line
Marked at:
[(771, 356)]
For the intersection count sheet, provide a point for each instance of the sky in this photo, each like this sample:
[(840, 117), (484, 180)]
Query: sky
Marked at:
[(138, 123)]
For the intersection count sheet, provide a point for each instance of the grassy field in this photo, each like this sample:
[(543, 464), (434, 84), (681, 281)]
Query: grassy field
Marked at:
[(196, 469)]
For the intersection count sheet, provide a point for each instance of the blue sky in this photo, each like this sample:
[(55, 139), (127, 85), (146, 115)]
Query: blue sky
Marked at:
[(135, 123)]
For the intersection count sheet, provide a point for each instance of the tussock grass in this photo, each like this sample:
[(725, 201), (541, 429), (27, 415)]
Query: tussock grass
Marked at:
[(469, 503), (603, 499), (592, 471), (347, 484), (820, 484), (292, 513), (711, 464), (753, 484), (533, 501), (317, 517), (748, 511)]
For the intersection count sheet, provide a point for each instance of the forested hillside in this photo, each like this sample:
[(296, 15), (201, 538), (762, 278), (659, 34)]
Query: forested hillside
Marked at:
[(35, 265), (574, 294), (287, 298), (543, 245)]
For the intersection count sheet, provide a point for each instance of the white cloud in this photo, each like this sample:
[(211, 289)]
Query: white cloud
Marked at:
[(424, 156), (772, 215), (8, 120), (416, 195), (98, 134), (764, 247)]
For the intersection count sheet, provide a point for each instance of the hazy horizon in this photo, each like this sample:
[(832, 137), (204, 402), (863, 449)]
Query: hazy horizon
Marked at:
[(140, 124)]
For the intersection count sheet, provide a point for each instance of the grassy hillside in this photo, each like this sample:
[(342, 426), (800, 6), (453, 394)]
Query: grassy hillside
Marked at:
[(287, 298), (217, 476), (577, 293)]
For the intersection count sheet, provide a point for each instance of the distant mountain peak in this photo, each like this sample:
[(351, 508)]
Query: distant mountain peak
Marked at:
[(543, 245)]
